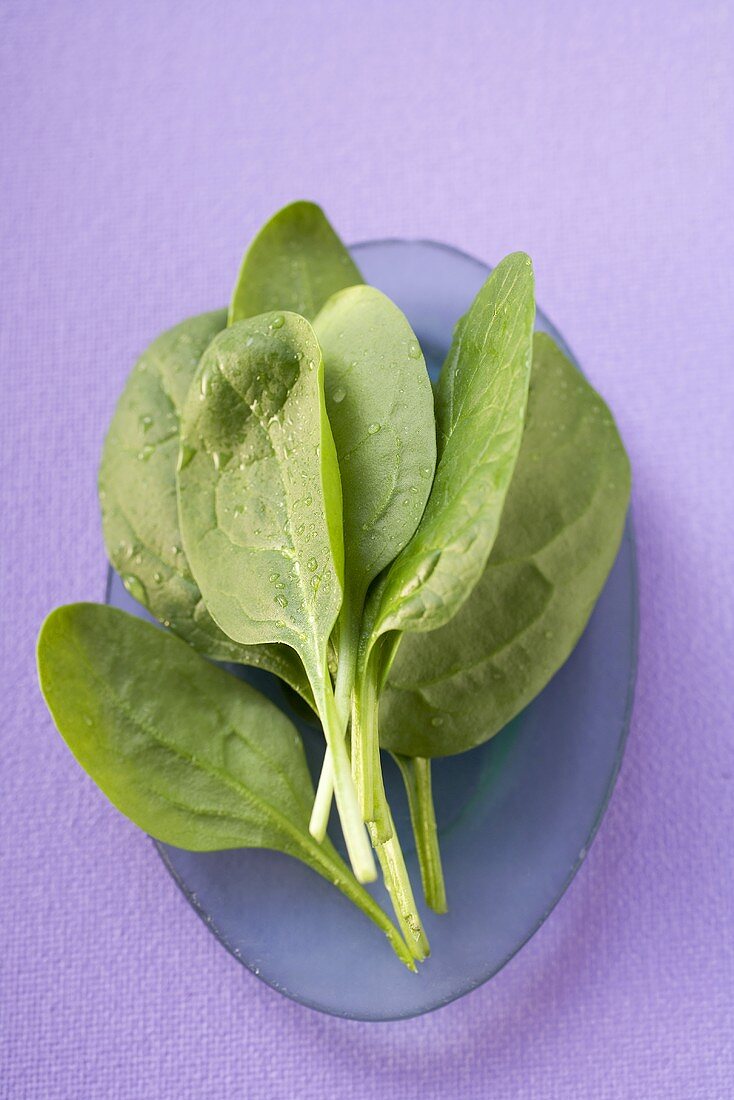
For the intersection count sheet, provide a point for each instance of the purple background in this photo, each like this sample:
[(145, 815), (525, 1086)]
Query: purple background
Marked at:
[(142, 144)]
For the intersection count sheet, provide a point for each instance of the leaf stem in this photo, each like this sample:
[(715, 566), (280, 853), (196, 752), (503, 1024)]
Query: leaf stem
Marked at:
[(416, 773), (348, 646), (347, 654), (327, 862), (322, 802), (397, 883), (366, 765), (364, 717), (375, 808), (355, 836)]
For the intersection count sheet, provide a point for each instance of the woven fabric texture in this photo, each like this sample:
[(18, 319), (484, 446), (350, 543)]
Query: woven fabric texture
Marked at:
[(142, 145)]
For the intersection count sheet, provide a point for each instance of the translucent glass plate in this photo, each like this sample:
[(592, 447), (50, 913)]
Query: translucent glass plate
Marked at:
[(516, 816)]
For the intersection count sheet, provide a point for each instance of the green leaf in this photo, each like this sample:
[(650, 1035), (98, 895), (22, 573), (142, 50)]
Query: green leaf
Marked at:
[(563, 520), (261, 514), (380, 406), (137, 490), (259, 491), (191, 755), (296, 262), (481, 402), (481, 399)]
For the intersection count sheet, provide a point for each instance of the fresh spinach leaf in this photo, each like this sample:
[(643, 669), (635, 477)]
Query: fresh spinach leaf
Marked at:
[(259, 491), (480, 407), (137, 491), (380, 406), (561, 527), (191, 755), (261, 514), (295, 263)]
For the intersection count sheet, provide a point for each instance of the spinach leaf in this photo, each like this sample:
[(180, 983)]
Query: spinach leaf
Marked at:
[(191, 755), (294, 263), (480, 408), (561, 527), (137, 491), (259, 491), (380, 406), (261, 514), (481, 399)]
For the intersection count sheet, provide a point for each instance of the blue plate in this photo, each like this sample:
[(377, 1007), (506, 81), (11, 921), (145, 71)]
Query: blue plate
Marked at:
[(516, 816)]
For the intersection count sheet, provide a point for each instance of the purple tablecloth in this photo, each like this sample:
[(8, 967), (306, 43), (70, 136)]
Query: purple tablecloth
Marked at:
[(142, 144)]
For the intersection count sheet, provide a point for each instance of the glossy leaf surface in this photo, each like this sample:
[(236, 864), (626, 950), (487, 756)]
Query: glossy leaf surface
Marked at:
[(260, 508), (193, 756), (137, 489), (380, 405), (296, 262), (560, 531), (259, 491), (480, 409)]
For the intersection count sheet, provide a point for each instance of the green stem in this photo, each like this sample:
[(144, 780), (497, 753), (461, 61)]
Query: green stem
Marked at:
[(397, 882), (322, 802), (375, 808), (366, 765), (381, 824), (355, 836), (347, 667), (348, 635), (324, 859), (416, 773), (364, 718), (389, 644)]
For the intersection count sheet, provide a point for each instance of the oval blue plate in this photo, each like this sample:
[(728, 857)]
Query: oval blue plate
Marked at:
[(516, 816)]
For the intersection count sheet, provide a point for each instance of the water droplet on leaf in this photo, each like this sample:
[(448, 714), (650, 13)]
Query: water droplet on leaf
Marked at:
[(135, 587)]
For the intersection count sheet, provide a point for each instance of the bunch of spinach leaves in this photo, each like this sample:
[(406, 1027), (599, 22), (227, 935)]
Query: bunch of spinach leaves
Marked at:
[(281, 487)]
